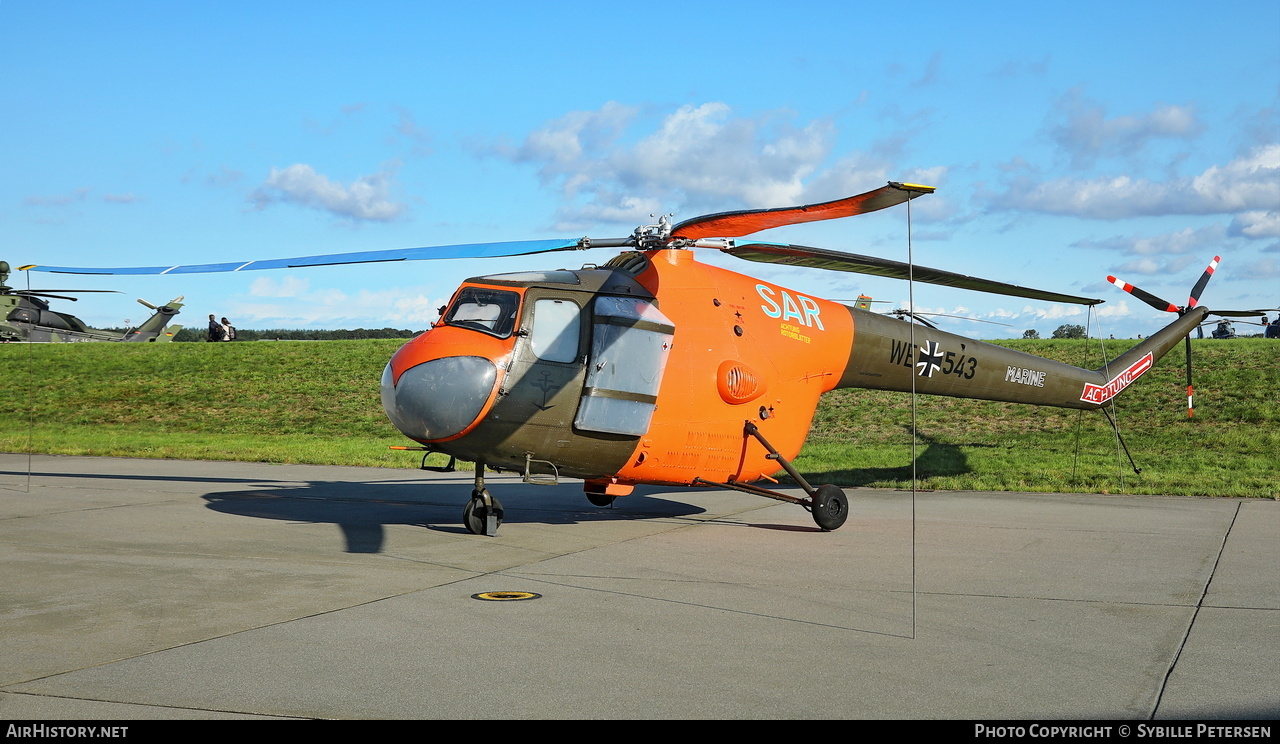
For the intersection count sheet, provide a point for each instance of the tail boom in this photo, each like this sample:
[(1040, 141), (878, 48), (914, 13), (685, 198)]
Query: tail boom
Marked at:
[(890, 354)]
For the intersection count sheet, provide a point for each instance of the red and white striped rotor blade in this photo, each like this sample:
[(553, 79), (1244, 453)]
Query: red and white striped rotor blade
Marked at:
[(1204, 279), (1145, 296)]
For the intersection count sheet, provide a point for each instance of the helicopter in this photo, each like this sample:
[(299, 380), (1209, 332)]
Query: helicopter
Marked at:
[(25, 316), (1224, 330), (656, 368)]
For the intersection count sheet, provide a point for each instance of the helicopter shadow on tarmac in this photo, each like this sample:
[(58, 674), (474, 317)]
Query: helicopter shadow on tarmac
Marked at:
[(936, 459), (363, 510)]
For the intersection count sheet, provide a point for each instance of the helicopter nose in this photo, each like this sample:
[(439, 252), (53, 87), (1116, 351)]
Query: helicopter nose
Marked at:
[(440, 398)]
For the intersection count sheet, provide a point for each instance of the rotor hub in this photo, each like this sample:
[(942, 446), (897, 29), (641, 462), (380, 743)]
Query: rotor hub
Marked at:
[(654, 237)]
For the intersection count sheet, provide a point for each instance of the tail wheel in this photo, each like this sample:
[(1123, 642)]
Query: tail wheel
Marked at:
[(830, 507), (600, 499)]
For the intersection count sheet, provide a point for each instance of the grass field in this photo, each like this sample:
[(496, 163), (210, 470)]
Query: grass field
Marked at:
[(317, 402)]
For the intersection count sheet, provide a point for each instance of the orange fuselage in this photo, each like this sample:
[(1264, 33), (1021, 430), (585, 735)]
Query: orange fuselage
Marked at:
[(745, 351)]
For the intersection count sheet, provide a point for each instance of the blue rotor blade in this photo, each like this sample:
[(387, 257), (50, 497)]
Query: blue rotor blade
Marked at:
[(469, 250)]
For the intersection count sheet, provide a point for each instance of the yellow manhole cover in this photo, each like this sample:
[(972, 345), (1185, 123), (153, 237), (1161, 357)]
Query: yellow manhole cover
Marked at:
[(505, 596)]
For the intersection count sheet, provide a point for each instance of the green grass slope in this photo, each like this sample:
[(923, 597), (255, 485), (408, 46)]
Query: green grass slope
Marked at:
[(317, 402)]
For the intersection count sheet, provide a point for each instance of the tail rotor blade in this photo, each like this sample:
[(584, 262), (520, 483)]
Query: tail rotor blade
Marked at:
[(1145, 296), (1204, 279)]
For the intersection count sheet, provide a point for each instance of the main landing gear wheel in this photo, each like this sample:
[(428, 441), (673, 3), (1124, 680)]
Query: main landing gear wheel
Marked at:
[(475, 515), (830, 507)]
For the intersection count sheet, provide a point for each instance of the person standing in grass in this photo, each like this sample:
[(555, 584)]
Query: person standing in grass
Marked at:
[(216, 331), (228, 330)]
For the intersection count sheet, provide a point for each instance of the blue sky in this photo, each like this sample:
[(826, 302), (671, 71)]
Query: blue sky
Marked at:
[(1067, 142)]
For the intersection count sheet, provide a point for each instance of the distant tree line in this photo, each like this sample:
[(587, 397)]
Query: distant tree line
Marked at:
[(1077, 331), (299, 334)]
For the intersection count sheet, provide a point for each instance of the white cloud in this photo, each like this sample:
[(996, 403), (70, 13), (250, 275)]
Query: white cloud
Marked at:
[(289, 286), (58, 200), (1196, 241), (1263, 268), (407, 128), (697, 157), (1086, 132), (1257, 224), (224, 177), (1187, 240), (1246, 185), (1053, 312), (1119, 309), (1146, 266), (366, 198), (410, 307)]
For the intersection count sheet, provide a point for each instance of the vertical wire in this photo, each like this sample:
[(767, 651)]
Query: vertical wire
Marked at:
[(31, 401), (1075, 462), (911, 305), (1115, 415)]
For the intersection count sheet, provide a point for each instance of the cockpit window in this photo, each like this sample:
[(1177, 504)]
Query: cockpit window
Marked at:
[(491, 311)]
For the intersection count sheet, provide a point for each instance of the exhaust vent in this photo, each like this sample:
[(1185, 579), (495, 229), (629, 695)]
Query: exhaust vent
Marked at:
[(738, 383)]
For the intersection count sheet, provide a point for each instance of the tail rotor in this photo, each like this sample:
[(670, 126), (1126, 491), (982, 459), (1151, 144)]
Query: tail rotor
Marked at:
[(1193, 301), (1165, 306)]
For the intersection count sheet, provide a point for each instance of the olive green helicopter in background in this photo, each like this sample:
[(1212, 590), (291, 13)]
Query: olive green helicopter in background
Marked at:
[(25, 316)]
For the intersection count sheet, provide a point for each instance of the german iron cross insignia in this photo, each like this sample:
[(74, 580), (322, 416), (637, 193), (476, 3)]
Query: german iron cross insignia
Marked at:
[(930, 359)]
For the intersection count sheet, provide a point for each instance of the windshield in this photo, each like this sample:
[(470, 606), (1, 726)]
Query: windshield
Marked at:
[(488, 310)]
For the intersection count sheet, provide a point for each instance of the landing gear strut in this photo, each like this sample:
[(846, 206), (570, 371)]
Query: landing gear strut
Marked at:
[(827, 504), (483, 513)]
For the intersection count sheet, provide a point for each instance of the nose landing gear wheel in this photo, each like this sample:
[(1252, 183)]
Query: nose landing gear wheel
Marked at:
[(830, 507), (476, 515)]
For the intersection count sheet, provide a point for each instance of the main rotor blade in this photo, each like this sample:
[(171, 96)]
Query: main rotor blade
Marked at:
[(38, 291), (1232, 322), (965, 317), (904, 315), (470, 250), (1240, 313), (748, 221), (46, 294), (818, 258)]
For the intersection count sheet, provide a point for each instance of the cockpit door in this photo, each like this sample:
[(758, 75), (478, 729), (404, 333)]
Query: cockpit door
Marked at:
[(630, 342), (546, 369)]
